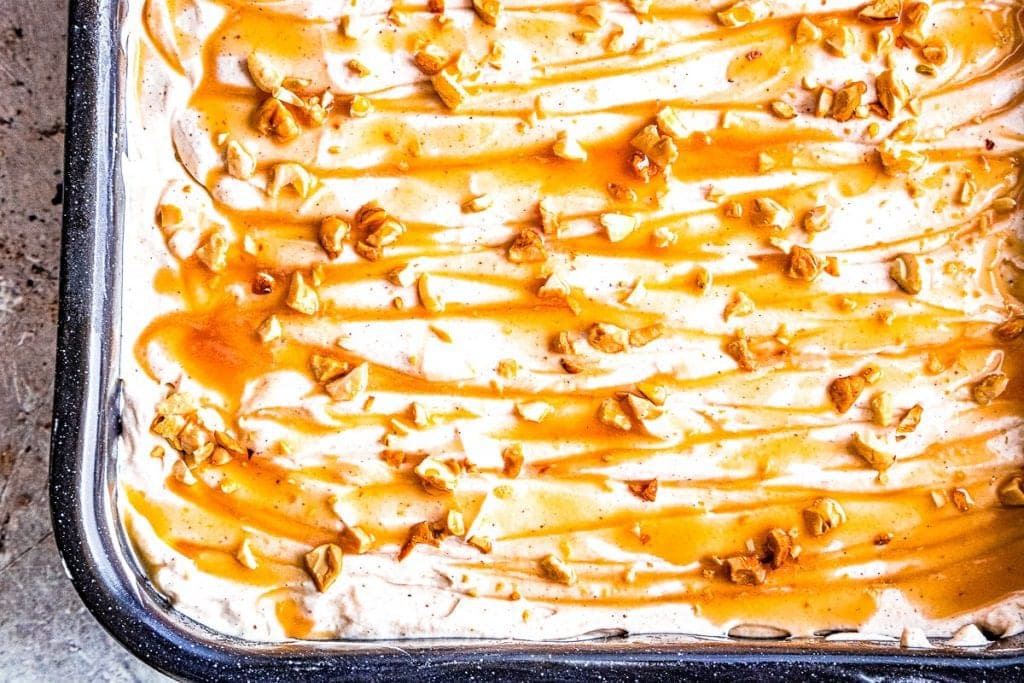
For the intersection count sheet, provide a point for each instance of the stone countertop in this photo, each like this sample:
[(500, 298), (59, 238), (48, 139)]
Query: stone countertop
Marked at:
[(46, 634)]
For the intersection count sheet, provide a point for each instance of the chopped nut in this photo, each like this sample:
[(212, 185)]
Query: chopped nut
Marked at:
[(264, 74), (807, 31), (360, 107), (489, 11), (641, 408), (670, 123), (871, 373), (477, 204), (328, 368), (804, 264), (481, 543), (841, 41), (274, 119), (897, 159), (906, 273), (608, 338), (642, 336), (646, 490), (643, 168), (512, 457), (746, 570), (429, 296), (892, 93), (1011, 491), (826, 98), (436, 477), (881, 408), (961, 498), (659, 149), (739, 350), (302, 297), (431, 59), (989, 388), (783, 110), (816, 220), (882, 11), (611, 413), (448, 88), (779, 545), (534, 411), (844, 391), (568, 148), (769, 212), (422, 533), (740, 305), (454, 523), (702, 278), (355, 540), (744, 12), (181, 472), (878, 459), (245, 556), (555, 569), (823, 516), (527, 247), (324, 565), (293, 175), (351, 385), (1009, 330), (847, 99), (241, 163), (618, 225), (935, 51), (333, 231), (656, 393), (214, 251), (909, 422)]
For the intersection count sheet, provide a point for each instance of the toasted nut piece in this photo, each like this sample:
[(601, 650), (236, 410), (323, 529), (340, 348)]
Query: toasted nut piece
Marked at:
[(769, 212), (804, 264), (355, 540), (264, 74), (844, 391), (746, 570), (302, 297), (481, 543), (826, 98), (670, 123), (293, 175), (871, 373), (807, 31), (878, 459), (455, 523), (881, 407), (424, 533), (431, 299), (642, 336), (659, 149), (935, 51), (245, 556), (333, 231), (328, 368), (489, 11), (738, 306), (241, 163), (783, 110), (608, 338), (739, 350), (847, 99), (611, 413), (555, 287), (477, 204), (823, 516), (555, 569), (641, 408), (962, 500), (897, 159), (448, 88), (351, 385), (274, 119), (214, 251), (905, 131), (534, 411), (816, 220), (656, 393), (906, 273), (892, 93), (882, 11), (436, 477), (431, 59), (1011, 491), (646, 490), (702, 278), (779, 545), (527, 247), (324, 564), (909, 422), (618, 225), (512, 457), (568, 148), (989, 387), (744, 12), (842, 41), (181, 472), (1009, 330)]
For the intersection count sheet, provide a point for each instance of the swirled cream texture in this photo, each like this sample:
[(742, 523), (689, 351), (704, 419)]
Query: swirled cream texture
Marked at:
[(516, 319)]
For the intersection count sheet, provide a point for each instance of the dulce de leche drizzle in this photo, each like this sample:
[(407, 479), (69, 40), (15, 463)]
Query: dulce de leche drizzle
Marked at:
[(461, 336)]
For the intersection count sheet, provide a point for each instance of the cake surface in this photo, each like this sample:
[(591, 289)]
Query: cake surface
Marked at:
[(510, 319)]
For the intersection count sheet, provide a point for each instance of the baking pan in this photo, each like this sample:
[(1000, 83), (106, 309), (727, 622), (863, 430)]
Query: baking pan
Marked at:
[(99, 560)]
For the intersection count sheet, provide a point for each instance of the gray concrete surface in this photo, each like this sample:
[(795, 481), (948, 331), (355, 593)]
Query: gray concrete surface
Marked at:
[(45, 632)]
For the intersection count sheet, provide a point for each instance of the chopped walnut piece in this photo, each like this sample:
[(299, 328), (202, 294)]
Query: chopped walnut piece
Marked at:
[(882, 11), (782, 110), (355, 540), (739, 350), (448, 88), (746, 570), (804, 264), (293, 175), (612, 414), (608, 338), (738, 306), (512, 459), (1011, 491), (893, 93), (744, 12), (909, 422), (328, 368), (618, 225), (646, 490), (437, 477), (878, 459), (643, 167), (568, 148), (213, 252), (274, 119), (816, 220), (556, 569), (659, 149), (302, 297), (332, 234), (844, 391), (779, 545), (425, 533), (823, 515), (989, 387), (534, 411), (527, 247), (906, 273), (642, 336), (264, 74), (1009, 330), (351, 385), (324, 565), (847, 99)]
